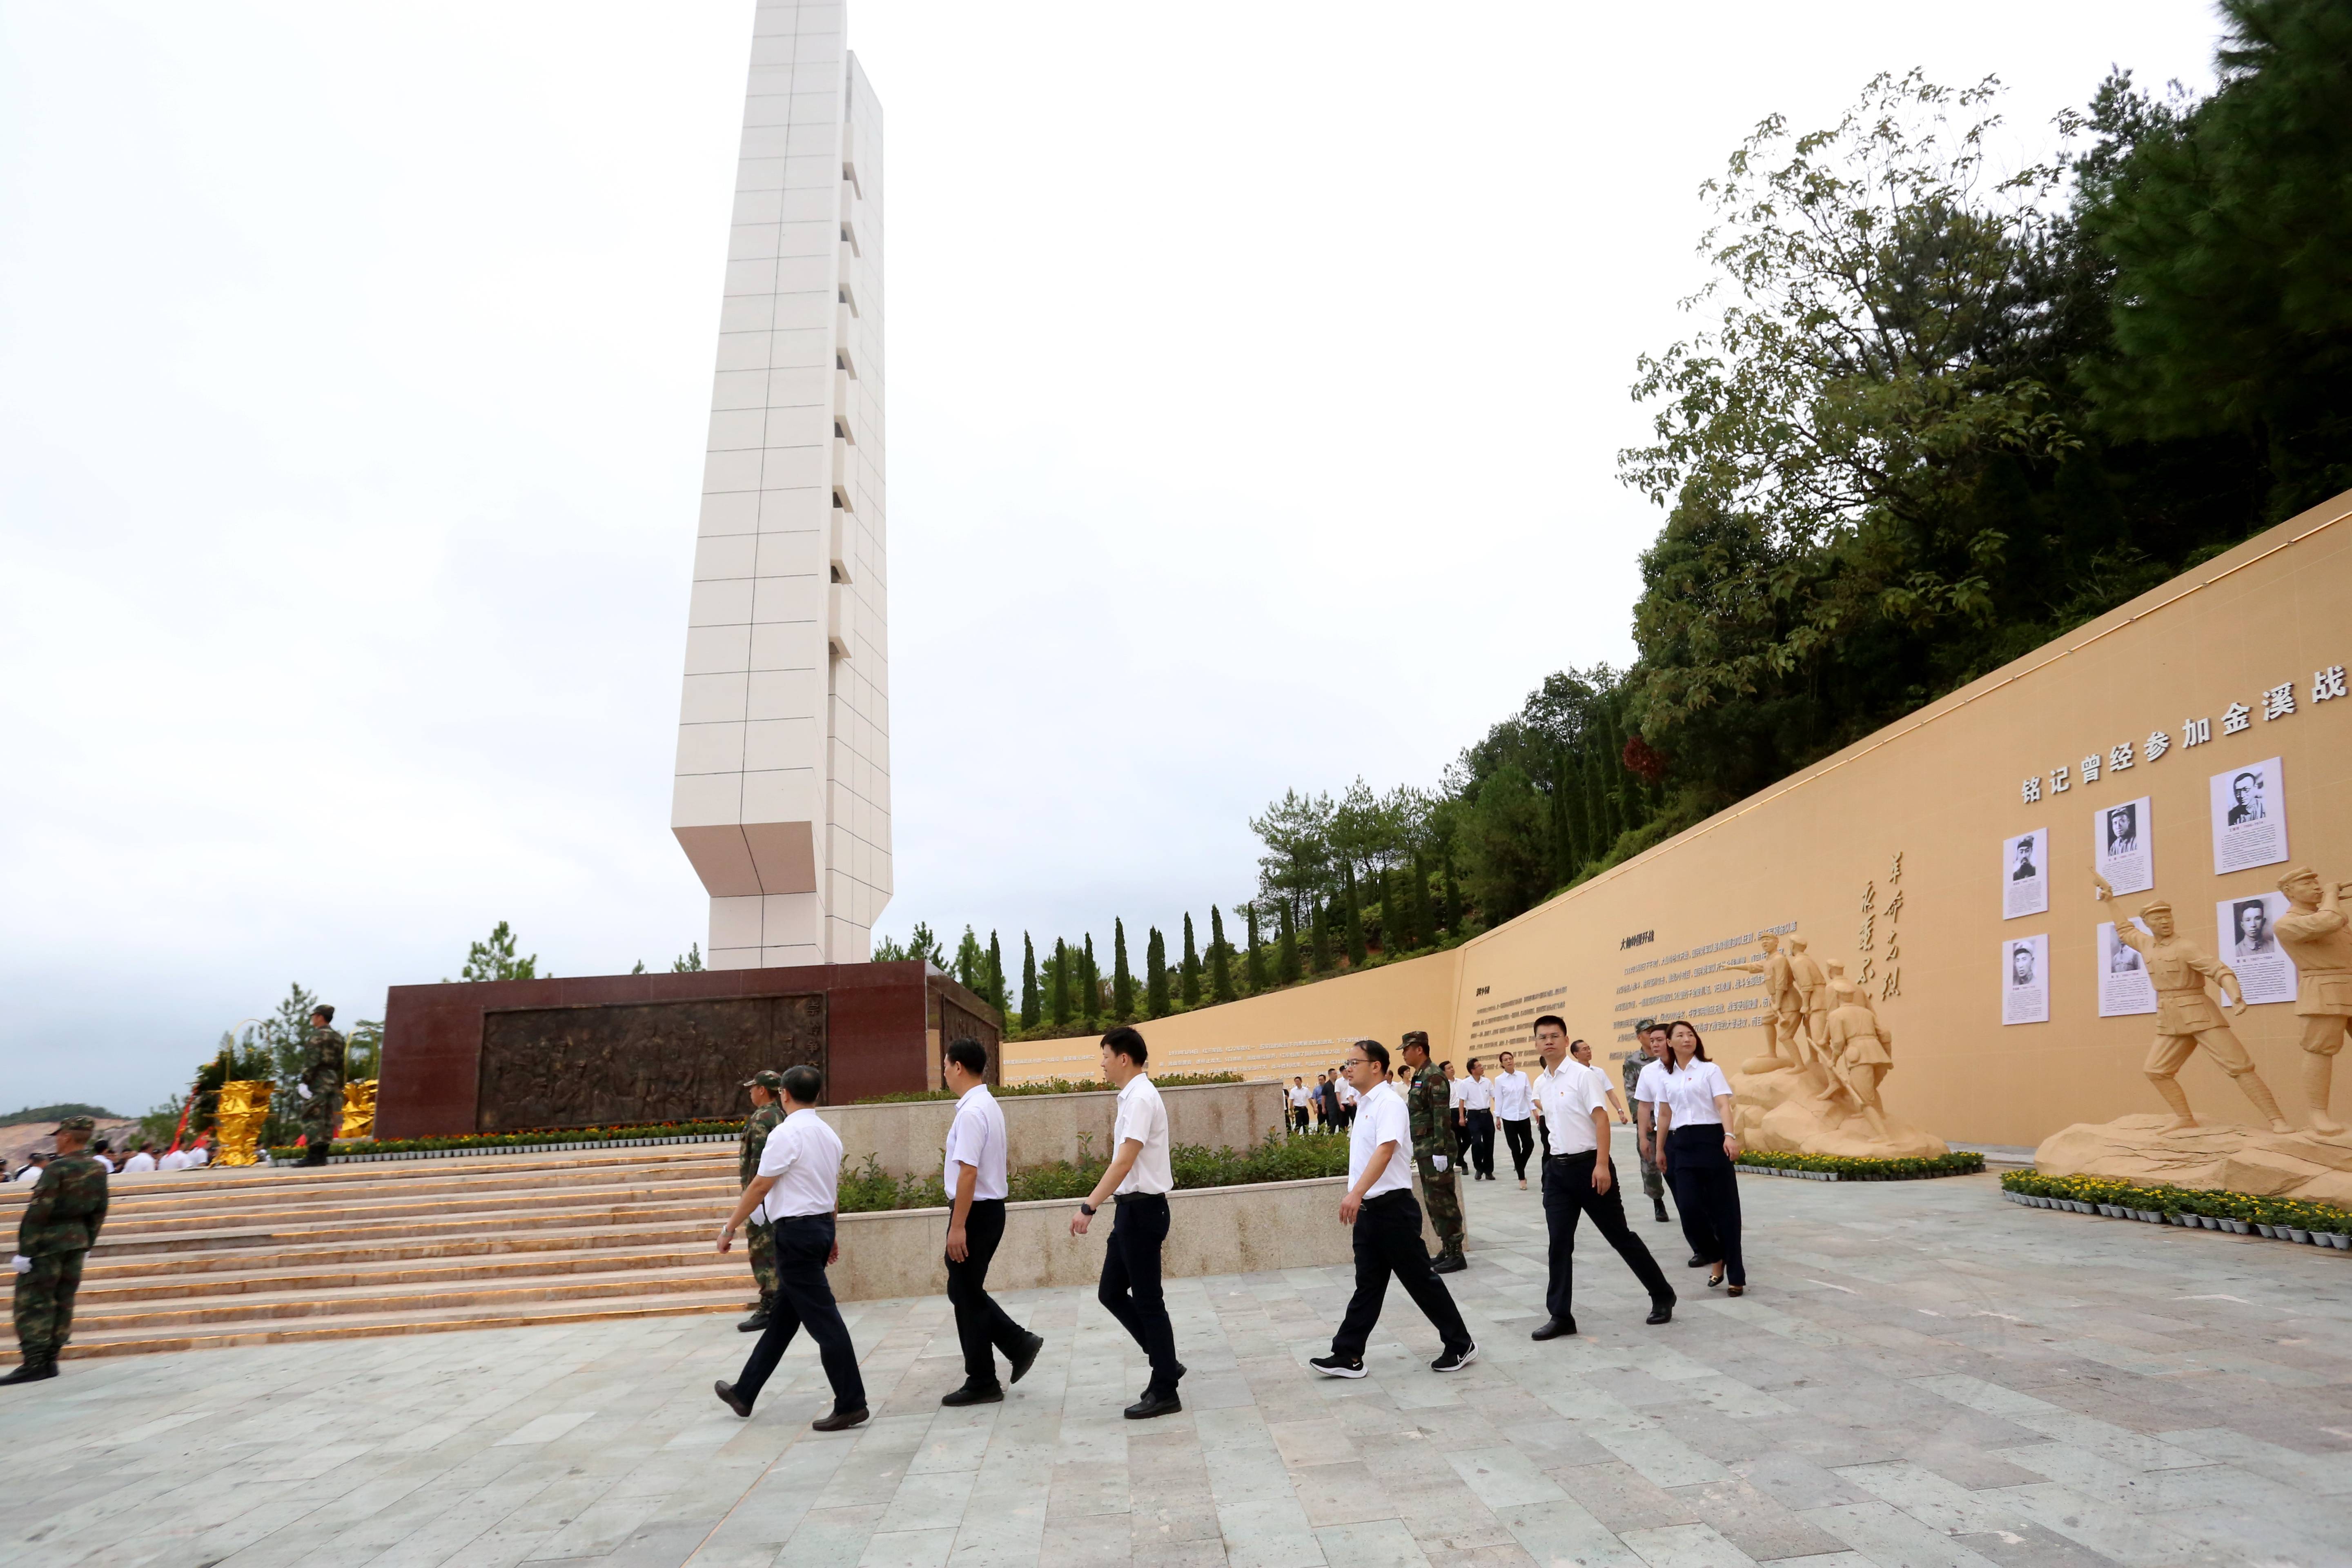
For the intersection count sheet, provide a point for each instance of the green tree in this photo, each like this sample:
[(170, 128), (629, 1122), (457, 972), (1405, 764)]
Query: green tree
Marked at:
[(1456, 917), (1059, 981), (689, 962), (1122, 983), (1189, 981), (1254, 966), (1502, 836), (2228, 229), (1424, 929), (1220, 968), (1029, 999), (1090, 998), (1296, 833), (971, 969), (1286, 950), (495, 959), (1155, 975), (1352, 917), (995, 991), (1318, 938)]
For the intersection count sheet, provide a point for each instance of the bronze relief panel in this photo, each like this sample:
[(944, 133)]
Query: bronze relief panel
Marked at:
[(638, 1062)]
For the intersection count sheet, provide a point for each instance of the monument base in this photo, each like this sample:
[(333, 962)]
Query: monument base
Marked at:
[(1779, 1111), (2219, 1157)]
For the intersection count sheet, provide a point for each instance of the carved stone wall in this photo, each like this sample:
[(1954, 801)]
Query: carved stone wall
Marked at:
[(663, 1061), (961, 1024)]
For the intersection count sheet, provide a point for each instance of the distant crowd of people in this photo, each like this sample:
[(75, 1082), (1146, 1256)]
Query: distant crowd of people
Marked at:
[(141, 1156)]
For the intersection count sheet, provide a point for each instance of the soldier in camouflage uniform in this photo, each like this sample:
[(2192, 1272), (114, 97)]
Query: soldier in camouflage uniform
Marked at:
[(767, 1115), (321, 1087), (1429, 1101), (1652, 1047), (52, 1238)]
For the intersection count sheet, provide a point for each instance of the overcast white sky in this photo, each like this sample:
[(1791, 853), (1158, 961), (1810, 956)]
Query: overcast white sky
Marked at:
[(1256, 371)]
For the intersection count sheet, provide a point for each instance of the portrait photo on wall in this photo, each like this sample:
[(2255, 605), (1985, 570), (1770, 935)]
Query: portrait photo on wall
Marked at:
[(2024, 979), (2123, 844), (2249, 816), (2124, 985), (2025, 874), (2249, 945)]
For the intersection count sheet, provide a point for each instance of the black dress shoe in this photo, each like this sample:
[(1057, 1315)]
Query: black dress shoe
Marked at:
[(1554, 1329), (1661, 1311), (1027, 1357), (755, 1322), (732, 1400), (1660, 1204), (1700, 1263), (839, 1421), (1153, 1404), (975, 1393)]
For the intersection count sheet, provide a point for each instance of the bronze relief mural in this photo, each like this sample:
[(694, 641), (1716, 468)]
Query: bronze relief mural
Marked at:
[(664, 1061)]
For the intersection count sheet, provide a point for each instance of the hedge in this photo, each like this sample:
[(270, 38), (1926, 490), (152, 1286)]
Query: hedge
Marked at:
[(2169, 1204), (1055, 1085), (539, 1137), (870, 1189), (1849, 1168)]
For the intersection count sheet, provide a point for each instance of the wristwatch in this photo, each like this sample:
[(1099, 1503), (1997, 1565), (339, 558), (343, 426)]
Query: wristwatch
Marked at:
[(1086, 1209)]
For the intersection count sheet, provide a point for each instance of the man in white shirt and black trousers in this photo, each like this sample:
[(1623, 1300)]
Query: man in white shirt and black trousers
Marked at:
[(976, 1184), (1380, 1207), (795, 1194), (1515, 1108), (1579, 1178), (1138, 1181)]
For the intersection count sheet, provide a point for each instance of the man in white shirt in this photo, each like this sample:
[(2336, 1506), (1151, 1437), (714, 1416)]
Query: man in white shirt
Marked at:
[(1515, 1108), (1477, 1097), (1138, 1181), (976, 1182), (200, 1153), (1579, 1178), (1348, 1098), (173, 1160), (1298, 1098), (1582, 1050), (1380, 1206), (140, 1160), (795, 1194)]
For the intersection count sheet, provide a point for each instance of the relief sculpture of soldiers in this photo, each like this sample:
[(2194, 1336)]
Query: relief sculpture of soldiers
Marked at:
[(589, 1067)]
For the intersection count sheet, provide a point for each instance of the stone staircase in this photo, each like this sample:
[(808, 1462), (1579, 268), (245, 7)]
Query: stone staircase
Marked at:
[(195, 1259)]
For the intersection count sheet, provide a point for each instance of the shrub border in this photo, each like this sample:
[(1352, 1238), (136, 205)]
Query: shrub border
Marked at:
[(2240, 1213), (544, 1142), (1851, 1168)]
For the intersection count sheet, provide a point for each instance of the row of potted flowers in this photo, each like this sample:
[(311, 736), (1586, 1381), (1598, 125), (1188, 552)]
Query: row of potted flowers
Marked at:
[(1850, 1168), (2241, 1214)]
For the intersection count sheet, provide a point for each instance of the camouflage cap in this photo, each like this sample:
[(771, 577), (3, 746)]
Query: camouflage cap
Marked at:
[(323, 1011), (1416, 1037), (1646, 1024), (77, 1124), (768, 1078)]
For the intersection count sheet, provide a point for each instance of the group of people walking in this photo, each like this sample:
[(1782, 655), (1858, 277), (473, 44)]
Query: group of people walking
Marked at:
[(1678, 1102)]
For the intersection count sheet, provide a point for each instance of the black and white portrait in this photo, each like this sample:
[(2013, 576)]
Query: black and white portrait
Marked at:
[(2248, 927), (2246, 799), (2124, 986), (2248, 806), (2025, 987), (2123, 829), (2025, 874), (2250, 921), (2123, 844)]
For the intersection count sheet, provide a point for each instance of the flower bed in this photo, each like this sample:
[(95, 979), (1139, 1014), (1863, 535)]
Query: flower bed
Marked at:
[(871, 1189), (532, 1141), (1848, 1168), (1055, 1085), (2242, 1214)]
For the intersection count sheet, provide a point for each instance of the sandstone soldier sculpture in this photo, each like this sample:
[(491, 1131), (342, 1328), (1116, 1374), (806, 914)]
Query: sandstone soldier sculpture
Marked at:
[(2186, 1017), (766, 1113), (1788, 1006), (2313, 933), (1813, 1003), (322, 1086), (1434, 1150), (53, 1237)]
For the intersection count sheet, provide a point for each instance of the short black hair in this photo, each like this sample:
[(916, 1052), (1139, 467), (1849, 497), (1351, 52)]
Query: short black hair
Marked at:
[(1375, 1053), (1554, 1019), (968, 1054), (1128, 1042), (804, 1084), (1470, 1066)]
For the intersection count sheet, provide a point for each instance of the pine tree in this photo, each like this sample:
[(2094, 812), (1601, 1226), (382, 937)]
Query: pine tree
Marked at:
[(1383, 929), (1221, 969), (1456, 913), (1189, 981), (1061, 983), (1352, 918), (1028, 981), (1155, 975), (1090, 985), (1286, 950), (1425, 926), (1253, 961), (1596, 805), (995, 991), (972, 965)]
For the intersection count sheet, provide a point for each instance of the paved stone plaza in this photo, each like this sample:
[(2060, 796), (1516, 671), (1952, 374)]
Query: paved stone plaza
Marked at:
[(1921, 1375)]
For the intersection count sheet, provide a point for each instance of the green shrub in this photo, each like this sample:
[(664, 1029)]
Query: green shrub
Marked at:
[(868, 1189), (1055, 1085), (1960, 1163)]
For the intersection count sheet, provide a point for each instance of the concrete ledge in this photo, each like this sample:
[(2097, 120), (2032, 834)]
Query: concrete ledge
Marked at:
[(1211, 1230), (910, 1137)]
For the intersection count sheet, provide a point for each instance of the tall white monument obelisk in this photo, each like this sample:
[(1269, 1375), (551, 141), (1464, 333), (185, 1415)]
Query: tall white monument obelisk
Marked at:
[(782, 798)]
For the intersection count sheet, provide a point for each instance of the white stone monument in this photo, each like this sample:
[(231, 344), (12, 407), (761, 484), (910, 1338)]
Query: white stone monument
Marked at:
[(782, 798)]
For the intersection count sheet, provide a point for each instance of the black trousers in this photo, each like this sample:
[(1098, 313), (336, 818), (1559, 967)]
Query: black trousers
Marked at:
[(1706, 1191), (1388, 1241), (980, 1324), (1568, 1195), (1130, 1283), (804, 1299), (1521, 1137), (1298, 1118), (1480, 1125)]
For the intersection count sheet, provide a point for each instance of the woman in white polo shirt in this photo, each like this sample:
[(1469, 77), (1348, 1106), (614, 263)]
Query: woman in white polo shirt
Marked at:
[(1695, 1121)]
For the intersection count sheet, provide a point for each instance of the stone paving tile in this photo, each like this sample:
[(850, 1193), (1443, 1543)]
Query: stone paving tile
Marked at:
[(1922, 1375)]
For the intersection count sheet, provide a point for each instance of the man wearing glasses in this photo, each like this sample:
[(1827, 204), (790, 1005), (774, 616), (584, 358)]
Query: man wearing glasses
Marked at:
[(1387, 1222)]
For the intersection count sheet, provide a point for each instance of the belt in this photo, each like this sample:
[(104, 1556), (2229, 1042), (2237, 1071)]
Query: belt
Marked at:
[(1122, 1197), (1580, 1154)]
